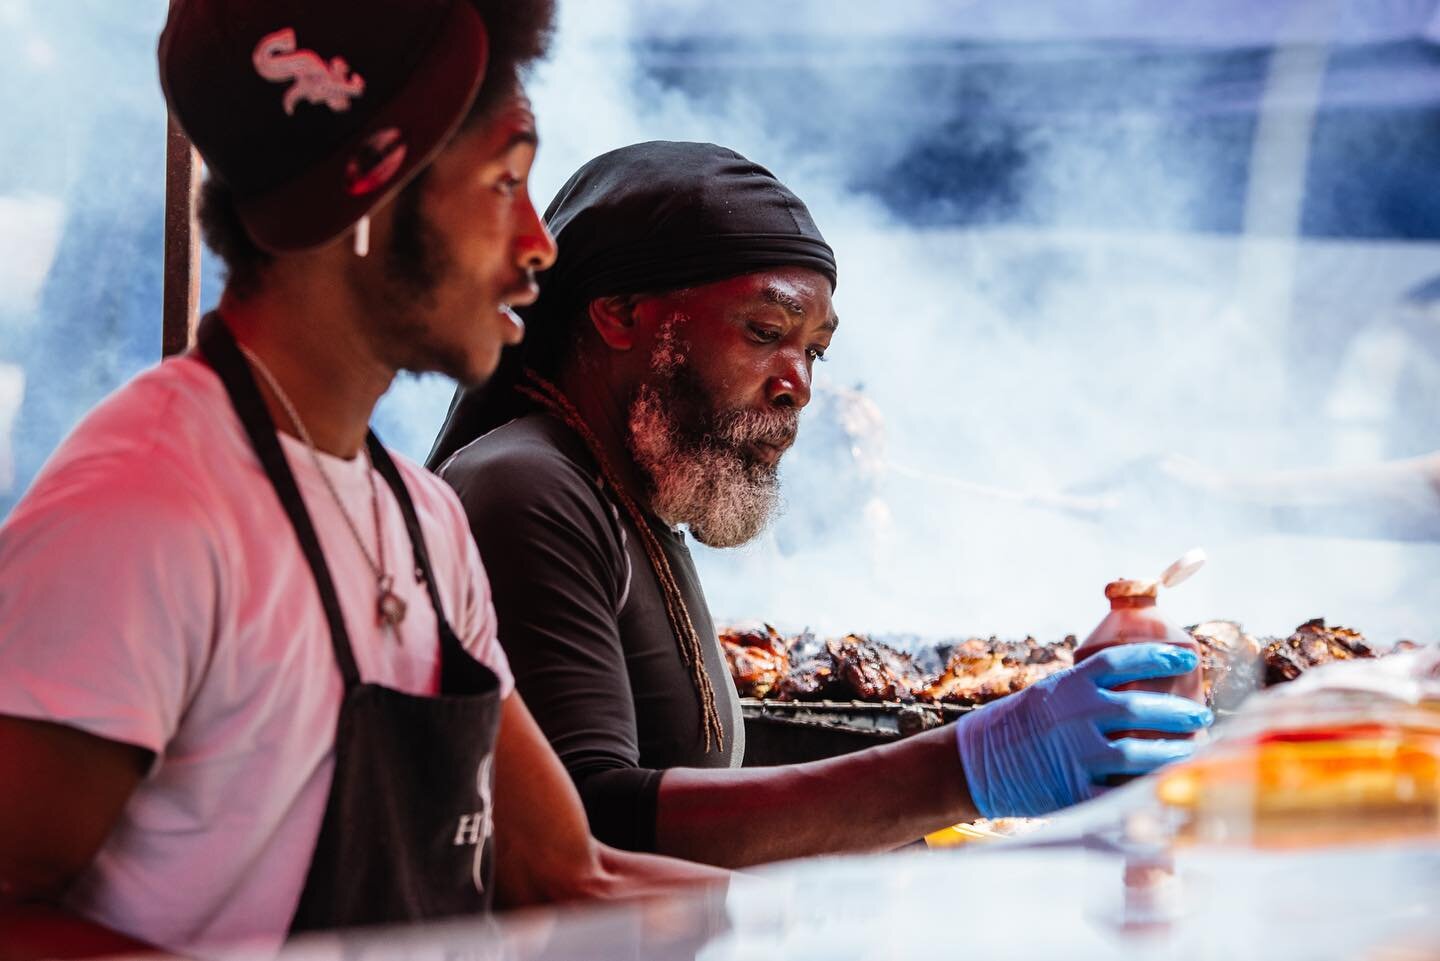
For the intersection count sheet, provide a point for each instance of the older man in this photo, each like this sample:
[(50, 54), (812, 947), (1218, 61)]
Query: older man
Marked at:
[(670, 354)]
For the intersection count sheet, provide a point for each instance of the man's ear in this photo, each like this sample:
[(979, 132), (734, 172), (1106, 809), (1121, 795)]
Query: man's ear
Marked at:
[(614, 320)]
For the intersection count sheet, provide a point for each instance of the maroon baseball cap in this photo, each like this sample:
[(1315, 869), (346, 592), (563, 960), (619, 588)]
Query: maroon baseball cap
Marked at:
[(315, 112)]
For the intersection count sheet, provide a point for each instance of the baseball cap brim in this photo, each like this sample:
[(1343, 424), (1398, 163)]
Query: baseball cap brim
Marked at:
[(320, 205)]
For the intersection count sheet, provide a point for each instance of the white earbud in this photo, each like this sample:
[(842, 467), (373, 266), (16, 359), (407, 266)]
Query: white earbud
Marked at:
[(362, 237)]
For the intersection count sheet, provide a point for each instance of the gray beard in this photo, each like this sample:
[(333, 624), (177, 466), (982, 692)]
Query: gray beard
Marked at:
[(707, 482)]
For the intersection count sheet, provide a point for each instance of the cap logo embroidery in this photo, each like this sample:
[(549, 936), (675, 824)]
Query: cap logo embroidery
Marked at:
[(278, 59)]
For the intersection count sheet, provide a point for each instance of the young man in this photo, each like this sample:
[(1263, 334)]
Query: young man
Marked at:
[(225, 611), (670, 354)]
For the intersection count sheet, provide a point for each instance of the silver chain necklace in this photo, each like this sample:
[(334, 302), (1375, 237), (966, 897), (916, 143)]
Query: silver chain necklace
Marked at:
[(389, 607)]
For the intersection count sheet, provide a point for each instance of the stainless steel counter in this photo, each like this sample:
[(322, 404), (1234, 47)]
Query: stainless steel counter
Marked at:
[(1060, 894)]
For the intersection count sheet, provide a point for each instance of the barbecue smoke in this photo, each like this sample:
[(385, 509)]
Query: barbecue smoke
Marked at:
[(1043, 302), (81, 216), (1070, 252)]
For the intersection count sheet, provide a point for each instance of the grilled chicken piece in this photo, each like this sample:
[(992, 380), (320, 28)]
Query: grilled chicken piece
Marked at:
[(873, 671), (758, 657), (1311, 645), (852, 668), (981, 670), (812, 679)]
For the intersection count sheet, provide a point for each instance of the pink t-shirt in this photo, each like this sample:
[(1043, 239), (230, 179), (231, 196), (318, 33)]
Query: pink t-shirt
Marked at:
[(152, 591)]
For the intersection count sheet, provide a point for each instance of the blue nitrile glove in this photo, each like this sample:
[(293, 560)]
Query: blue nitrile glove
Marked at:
[(1045, 747)]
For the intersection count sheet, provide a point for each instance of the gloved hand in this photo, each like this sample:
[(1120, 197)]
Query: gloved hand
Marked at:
[(1045, 747)]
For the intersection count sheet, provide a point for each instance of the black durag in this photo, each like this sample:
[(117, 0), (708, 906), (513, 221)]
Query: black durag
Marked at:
[(646, 218)]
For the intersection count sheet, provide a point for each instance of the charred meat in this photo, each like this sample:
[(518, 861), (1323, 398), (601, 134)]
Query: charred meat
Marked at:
[(872, 671), (758, 657), (852, 668), (979, 670), (982, 670), (812, 679), (1311, 645)]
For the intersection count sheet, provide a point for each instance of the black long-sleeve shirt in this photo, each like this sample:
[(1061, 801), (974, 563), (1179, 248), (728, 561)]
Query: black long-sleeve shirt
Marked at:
[(582, 619)]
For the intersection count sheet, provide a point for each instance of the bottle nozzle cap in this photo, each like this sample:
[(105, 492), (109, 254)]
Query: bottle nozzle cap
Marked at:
[(1124, 588), (1180, 571)]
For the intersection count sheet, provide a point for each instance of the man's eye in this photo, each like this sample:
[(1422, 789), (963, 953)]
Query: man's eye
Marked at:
[(816, 353), (508, 184), (765, 334)]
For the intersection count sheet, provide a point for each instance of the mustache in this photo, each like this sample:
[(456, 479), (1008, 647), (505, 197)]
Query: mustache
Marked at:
[(776, 426)]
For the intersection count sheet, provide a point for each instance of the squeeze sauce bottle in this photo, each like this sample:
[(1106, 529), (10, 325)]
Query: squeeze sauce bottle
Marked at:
[(1133, 619)]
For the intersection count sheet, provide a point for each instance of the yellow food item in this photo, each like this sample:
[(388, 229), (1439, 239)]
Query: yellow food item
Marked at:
[(1287, 785), (957, 834), (982, 829)]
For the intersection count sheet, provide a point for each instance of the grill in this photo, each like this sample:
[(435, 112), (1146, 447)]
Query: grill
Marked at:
[(796, 722), (788, 732)]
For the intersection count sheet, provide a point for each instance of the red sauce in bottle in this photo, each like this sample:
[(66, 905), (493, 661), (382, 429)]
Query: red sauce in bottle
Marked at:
[(1133, 619)]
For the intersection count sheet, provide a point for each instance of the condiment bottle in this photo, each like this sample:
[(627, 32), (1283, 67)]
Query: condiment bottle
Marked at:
[(1133, 619)]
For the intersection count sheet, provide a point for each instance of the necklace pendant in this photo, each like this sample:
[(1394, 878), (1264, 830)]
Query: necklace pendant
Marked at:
[(389, 609)]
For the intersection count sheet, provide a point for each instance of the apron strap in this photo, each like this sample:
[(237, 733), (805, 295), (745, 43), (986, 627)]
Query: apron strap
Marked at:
[(383, 462), (219, 348)]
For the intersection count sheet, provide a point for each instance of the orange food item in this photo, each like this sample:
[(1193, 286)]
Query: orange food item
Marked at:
[(1332, 784)]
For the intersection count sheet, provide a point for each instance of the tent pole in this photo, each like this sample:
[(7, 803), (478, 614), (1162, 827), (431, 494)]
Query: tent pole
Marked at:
[(182, 242)]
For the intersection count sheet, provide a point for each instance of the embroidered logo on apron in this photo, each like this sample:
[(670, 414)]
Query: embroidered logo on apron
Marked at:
[(474, 829)]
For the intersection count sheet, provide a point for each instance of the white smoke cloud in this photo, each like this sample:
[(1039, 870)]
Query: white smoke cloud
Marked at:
[(29, 235), (81, 206), (1011, 362), (1093, 318)]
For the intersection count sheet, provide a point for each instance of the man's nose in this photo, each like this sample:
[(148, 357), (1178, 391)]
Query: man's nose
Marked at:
[(534, 245), (789, 386)]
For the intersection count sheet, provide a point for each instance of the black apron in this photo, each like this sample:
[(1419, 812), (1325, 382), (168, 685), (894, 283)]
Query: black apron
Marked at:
[(406, 834)]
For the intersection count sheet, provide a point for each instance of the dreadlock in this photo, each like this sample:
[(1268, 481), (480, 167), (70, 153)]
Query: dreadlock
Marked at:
[(552, 399)]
